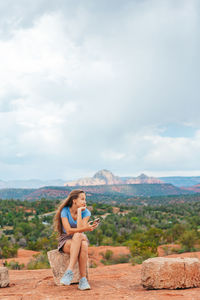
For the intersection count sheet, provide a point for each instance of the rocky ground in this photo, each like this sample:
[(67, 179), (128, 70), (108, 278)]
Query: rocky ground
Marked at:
[(120, 281)]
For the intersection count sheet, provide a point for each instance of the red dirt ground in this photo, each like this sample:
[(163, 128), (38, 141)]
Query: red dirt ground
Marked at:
[(120, 281)]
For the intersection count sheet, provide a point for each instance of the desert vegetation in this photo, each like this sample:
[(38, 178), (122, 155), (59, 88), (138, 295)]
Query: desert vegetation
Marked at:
[(142, 228)]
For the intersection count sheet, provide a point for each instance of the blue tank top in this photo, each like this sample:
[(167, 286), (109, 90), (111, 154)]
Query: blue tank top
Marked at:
[(65, 213)]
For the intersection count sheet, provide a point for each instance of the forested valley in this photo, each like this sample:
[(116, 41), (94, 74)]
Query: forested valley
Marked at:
[(142, 228)]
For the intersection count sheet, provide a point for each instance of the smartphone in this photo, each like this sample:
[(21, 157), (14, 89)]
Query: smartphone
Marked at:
[(96, 221)]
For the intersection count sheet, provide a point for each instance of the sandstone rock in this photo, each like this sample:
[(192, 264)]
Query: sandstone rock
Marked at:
[(4, 278), (170, 273), (59, 262)]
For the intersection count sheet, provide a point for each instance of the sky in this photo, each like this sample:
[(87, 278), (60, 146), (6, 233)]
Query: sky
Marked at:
[(90, 85)]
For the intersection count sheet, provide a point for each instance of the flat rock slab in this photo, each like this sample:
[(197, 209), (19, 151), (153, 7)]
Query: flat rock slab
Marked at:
[(4, 277), (170, 273), (59, 262)]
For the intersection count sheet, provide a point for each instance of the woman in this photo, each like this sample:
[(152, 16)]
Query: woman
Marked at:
[(70, 221)]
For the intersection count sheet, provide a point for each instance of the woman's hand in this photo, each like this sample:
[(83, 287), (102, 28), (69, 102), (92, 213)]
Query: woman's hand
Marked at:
[(80, 209), (91, 227)]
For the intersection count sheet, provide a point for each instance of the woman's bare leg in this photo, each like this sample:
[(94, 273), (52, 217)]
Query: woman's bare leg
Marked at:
[(82, 258), (67, 246), (74, 249)]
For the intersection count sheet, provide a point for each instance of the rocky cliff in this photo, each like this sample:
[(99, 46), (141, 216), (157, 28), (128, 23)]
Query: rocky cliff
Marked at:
[(105, 177)]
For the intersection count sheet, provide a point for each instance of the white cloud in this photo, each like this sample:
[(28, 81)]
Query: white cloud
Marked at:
[(112, 156), (79, 92), (169, 152)]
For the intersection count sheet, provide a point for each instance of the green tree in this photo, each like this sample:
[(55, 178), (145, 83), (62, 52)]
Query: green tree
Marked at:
[(188, 240)]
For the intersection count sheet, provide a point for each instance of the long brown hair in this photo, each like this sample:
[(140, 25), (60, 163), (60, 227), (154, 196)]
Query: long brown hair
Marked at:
[(66, 202)]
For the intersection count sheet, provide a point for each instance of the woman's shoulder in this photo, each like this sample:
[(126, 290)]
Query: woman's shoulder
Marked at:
[(65, 208), (64, 211)]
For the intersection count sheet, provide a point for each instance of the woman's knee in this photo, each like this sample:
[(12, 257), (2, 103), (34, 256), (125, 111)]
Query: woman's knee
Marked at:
[(66, 247), (78, 236)]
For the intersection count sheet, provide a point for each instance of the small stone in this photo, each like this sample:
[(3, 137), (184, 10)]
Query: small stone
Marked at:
[(170, 273), (4, 277), (59, 262)]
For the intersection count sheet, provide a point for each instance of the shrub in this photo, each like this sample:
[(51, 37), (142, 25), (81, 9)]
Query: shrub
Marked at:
[(169, 250), (107, 241), (141, 251), (92, 264), (107, 255), (40, 261), (7, 249), (14, 265), (22, 242), (109, 259), (121, 259), (43, 243), (188, 240)]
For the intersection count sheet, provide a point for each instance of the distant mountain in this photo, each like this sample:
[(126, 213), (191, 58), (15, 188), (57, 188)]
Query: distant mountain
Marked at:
[(35, 194), (181, 181), (20, 194), (102, 177), (143, 179), (193, 188), (105, 177), (29, 184), (118, 191), (142, 189)]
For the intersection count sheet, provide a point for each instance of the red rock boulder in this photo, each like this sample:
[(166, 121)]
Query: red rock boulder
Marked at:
[(170, 273), (4, 277), (59, 262)]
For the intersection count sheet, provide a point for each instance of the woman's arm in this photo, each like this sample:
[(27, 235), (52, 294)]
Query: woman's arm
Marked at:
[(81, 222), (70, 230)]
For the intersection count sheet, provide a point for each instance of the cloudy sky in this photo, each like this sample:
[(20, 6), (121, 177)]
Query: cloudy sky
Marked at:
[(89, 84)]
